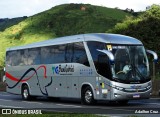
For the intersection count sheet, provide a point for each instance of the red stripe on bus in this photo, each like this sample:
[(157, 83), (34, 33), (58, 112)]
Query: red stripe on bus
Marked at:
[(17, 79)]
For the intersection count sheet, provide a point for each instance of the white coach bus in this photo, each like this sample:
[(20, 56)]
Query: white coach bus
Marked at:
[(88, 66)]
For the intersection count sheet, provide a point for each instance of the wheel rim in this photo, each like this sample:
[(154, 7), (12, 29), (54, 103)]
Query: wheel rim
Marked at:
[(88, 96), (25, 93)]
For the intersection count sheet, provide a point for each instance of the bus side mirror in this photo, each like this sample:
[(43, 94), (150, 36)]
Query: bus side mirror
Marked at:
[(109, 54), (155, 60)]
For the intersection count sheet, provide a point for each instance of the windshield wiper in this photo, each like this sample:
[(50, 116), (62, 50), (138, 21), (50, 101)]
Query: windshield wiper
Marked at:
[(139, 73)]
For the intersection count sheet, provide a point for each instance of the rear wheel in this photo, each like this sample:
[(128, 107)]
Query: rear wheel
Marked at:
[(87, 96), (25, 93)]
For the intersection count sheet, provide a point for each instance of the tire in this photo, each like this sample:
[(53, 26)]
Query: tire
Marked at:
[(87, 96), (25, 93)]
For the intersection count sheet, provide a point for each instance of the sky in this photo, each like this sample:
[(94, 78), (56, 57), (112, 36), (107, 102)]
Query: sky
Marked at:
[(20, 8)]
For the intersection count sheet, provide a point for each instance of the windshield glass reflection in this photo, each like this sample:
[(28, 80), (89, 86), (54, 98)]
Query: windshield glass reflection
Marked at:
[(131, 63)]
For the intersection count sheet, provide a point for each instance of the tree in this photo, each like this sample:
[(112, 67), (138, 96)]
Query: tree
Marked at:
[(146, 27)]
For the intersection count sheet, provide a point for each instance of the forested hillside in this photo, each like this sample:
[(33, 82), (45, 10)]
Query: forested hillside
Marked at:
[(62, 20), (6, 22)]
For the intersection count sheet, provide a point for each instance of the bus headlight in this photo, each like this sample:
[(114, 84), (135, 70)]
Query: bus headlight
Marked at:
[(118, 88), (149, 86)]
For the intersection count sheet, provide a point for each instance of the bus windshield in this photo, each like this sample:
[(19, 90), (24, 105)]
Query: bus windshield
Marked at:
[(131, 64)]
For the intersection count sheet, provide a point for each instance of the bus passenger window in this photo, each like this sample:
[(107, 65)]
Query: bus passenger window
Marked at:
[(19, 57), (69, 53), (59, 55), (45, 55), (34, 56), (80, 55), (24, 57), (13, 58), (9, 58)]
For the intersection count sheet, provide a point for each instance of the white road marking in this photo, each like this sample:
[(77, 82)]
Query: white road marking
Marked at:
[(10, 106), (68, 105)]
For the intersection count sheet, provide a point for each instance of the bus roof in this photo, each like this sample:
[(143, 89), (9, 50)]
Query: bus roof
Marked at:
[(100, 37)]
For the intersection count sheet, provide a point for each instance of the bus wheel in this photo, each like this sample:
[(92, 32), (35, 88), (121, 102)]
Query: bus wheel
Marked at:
[(25, 93), (87, 96)]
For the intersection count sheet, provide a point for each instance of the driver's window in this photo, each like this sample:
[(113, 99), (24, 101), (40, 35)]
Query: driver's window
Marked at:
[(103, 65), (101, 60)]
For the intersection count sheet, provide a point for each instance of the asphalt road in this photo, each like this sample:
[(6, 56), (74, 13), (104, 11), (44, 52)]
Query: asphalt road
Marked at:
[(147, 107)]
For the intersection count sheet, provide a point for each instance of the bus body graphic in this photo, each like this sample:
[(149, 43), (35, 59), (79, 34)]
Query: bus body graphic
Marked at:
[(23, 80), (91, 67), (18, 80)]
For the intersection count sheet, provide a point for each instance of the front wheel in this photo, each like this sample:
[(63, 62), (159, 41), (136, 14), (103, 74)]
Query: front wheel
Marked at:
[(87, 96)]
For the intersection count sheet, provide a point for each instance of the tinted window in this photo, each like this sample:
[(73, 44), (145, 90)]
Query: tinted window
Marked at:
[(69, 53), (34, 56), (11, 58), (53, 54), (79, 55), (46, 55), (93, 46), (18, 57), (22, 57), (59, 54), (101, 61)]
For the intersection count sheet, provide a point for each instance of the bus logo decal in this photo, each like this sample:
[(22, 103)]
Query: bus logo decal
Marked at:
[(63, 70), (55, 70)]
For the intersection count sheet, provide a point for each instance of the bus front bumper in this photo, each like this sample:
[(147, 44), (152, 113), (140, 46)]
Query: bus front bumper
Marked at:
[(120, 95)]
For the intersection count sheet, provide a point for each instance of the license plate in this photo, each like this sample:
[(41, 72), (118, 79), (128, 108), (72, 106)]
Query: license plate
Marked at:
[(136, 96)]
